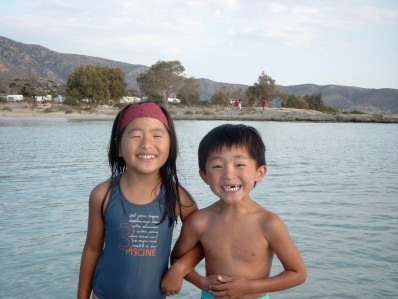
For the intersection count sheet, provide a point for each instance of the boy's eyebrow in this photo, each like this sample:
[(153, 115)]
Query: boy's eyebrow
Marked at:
[(238, 156)]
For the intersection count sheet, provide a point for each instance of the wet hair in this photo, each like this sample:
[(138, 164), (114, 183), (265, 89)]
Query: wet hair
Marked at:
[(230, 135), (168, 172)]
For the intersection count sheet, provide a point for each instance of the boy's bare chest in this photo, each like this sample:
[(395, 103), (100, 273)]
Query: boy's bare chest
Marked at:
[(239, 241)]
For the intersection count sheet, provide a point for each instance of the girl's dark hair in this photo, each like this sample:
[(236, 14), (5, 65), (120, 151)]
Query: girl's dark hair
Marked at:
[(168, 172), (232, 135)]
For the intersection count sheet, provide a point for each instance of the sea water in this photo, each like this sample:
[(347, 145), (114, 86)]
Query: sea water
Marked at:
[(335, 185)]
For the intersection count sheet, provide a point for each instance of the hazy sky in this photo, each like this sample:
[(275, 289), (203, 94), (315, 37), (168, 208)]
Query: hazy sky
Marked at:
[(350, 42)]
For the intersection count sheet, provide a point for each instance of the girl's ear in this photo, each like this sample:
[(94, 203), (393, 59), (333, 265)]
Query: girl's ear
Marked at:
[(203, 176), (261, 171), (119, 148), (120, 153)]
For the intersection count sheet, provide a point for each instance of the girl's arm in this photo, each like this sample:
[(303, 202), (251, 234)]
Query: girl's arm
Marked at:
[(187, 252), (94, 242)]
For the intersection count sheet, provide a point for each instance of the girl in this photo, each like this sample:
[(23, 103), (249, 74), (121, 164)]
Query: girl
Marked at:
[(132, 215)]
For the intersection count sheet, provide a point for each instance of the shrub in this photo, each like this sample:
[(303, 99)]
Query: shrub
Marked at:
[(48, 110), (71, 102), (357, 112), (328, 109)]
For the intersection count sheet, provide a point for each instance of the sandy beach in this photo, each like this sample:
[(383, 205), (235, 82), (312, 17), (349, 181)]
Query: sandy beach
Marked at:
[(180, 112)]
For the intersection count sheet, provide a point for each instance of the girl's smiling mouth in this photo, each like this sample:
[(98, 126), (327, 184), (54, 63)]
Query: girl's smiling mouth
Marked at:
[(146, 157)]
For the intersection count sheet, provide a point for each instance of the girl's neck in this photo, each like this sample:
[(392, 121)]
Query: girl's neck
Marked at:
[(140, 189)]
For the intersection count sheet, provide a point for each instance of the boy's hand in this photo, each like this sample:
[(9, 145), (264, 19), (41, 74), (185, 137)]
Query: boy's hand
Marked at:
[(211, 280), (229, 287), (172, 281)]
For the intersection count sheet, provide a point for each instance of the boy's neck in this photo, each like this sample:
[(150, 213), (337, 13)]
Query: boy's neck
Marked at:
[(242, 206)]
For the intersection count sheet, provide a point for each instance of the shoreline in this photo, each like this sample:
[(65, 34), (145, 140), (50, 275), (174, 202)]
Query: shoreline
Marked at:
[(53, 111)]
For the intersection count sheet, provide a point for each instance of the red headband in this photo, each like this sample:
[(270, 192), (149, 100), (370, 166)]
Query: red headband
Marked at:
[(143, 110)]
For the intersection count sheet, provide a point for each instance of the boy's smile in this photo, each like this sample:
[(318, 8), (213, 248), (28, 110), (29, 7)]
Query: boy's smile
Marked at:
[(231, 173), (232, 188)]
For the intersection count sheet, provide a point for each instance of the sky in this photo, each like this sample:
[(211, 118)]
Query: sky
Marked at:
[(339, 42)]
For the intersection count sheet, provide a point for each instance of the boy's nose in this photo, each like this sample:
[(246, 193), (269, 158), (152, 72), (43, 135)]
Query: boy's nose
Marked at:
[(228, 172)]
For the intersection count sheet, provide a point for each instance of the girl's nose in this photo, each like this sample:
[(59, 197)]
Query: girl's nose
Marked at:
[(146, 143)]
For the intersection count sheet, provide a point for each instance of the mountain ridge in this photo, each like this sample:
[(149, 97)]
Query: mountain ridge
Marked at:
[(24, 61)]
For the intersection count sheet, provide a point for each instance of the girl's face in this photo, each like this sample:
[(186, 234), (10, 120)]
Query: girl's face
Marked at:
[(145, 145), (231, 173)]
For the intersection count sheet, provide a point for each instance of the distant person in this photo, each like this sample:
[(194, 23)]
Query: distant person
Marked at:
[(264, 104), (132, 214), (236, 104), (239, 237), (240, 104)]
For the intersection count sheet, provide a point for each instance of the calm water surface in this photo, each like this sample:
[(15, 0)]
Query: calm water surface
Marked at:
[(334, 185)]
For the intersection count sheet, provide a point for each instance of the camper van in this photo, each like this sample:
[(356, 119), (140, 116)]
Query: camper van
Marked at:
[(15, 98)]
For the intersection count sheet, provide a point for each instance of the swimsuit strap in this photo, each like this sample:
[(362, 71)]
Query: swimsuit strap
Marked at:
[(113, 182)]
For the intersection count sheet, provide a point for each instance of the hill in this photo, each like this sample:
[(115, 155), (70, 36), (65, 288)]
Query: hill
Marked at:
[(346, 98), (24, 61)]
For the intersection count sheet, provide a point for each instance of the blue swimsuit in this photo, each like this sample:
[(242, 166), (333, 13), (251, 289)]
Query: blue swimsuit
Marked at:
[(207, 295), (136, 251)]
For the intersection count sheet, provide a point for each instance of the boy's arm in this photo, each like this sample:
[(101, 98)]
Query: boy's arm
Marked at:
[(283, 246)]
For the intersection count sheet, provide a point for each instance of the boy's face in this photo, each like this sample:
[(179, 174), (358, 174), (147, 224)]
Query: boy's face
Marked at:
[(231, 173)]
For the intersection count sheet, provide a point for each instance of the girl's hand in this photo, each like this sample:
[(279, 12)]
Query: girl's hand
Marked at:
[(172, 281), (229, 287)]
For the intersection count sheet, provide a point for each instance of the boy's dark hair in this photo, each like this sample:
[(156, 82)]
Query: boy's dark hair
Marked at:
[(232, 135), (168, 172)]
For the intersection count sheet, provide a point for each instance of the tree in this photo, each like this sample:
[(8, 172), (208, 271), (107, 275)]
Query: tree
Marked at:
[(97, 84), (189, 92), (162, 79), (293, 101), (117, 85), (314, 101), (264, 88), (27, 92)]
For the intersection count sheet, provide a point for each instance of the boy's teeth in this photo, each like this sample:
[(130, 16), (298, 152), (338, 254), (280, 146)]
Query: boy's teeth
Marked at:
[(231, 188)]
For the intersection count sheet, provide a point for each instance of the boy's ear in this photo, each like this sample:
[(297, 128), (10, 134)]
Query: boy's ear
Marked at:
[(203, 176), (261, 171)]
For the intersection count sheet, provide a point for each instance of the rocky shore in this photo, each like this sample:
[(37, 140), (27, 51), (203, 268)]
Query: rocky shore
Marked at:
[(17, 110)]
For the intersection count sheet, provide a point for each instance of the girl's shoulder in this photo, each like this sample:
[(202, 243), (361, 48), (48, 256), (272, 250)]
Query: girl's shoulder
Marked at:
[(187, 204), (100, 191)]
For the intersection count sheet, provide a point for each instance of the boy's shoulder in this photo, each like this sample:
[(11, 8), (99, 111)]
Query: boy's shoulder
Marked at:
[(200, 216)]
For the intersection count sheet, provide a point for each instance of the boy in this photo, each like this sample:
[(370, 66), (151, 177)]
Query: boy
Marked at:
[(239, 237)]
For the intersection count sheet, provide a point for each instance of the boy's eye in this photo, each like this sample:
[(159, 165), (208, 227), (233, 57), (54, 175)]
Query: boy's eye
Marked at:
[(216, 166)]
